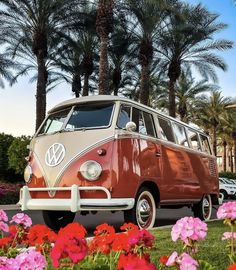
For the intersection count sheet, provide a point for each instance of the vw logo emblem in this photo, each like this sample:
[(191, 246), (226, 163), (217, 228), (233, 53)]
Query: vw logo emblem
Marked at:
[(55, 154)]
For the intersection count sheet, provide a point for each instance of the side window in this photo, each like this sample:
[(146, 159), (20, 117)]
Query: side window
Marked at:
[(180, 135), (205, 144), (166, 129), (143, 121), (193, 138), (148, 119), (124, 116)]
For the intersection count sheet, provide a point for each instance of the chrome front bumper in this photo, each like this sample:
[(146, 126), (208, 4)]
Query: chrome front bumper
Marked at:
[(74, 203)]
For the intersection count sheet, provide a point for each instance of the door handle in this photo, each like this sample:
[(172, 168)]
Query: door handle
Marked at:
[(158, 154)]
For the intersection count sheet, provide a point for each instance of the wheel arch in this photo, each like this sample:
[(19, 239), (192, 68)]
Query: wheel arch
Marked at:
[(153, 189)]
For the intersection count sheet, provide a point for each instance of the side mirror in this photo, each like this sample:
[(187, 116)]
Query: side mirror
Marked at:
[(130, 126)]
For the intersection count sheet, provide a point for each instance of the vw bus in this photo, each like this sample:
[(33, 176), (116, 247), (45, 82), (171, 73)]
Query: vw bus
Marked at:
[(105, 153)]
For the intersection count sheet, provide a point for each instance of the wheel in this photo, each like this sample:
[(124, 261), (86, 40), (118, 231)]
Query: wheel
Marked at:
[(203, 209), (57, 219), (143, 213), (223, 195)]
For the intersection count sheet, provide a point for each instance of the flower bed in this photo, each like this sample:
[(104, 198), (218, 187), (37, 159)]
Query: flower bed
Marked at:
[(23, 246), (9, 193)]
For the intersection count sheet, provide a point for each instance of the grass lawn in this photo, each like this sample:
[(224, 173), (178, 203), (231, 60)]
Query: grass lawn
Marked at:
[(212, 249)]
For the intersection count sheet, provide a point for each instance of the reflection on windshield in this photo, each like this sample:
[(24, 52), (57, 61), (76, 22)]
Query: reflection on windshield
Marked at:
[(83, 117), (90, 116), (54, 122)]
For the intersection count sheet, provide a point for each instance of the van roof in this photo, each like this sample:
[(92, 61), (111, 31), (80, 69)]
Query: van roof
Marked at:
[(75, 101)]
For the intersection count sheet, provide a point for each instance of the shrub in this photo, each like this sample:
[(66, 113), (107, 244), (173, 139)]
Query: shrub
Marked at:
[(9, 193), (229, 175)]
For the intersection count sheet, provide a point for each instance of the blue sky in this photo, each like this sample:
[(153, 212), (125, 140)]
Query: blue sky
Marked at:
[(17, 103)]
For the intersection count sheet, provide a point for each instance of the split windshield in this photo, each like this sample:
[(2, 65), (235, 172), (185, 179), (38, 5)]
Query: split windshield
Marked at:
[(84, 116)]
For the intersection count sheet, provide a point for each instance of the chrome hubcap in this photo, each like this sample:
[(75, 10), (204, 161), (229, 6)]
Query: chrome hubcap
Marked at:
[(206, 208), (144, 212)]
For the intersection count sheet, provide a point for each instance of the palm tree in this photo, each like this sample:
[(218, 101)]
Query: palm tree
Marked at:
[(188, 40), (104, 26), (38, 20), (225, 132), (147, 15), (6, 64), (187, 93), (210, 114), (120, 57)]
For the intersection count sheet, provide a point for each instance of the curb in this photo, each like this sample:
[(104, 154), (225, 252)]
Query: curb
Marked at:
[(10, 207)]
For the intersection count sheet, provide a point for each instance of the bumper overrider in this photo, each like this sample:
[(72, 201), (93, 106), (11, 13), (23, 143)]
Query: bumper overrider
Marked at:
[(74, 203)]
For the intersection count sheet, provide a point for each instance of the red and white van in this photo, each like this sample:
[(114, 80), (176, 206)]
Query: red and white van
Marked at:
[(101, 153)]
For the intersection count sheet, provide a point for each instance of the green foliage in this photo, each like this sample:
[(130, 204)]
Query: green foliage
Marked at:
[(5, 142), (229, 175), (17, 153)]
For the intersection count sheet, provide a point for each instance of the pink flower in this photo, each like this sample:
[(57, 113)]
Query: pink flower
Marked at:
[(31, 260), (22, 219), (227, 210), (4, 227), (172, 259), (134, 262), (186, 262), (3, 216), (189, 228), (228, 235)]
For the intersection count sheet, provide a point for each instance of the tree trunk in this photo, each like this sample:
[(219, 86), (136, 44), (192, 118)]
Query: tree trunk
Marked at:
[(103, 67), (86, 85), (41, 89), (225, 156), (76, 84), (144, 85), (231, 159), (172, 105), (214, 141), (235, 155)]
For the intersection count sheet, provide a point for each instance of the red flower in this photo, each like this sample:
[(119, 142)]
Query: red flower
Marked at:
[(120, 242), (232, 267), (140, 238), (74, 229), (104, 229), (133, 262), (129, 226), (41, 237), (163, 259), (70, 247), (4, 242), (103, 239)]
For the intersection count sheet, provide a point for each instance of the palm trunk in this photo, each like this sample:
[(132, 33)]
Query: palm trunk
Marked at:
[(41, 89), (224, 157), (235, 155), (76, 84), (214, 141), (172, 105), (144, 85), (231, 160), (86, 85), (103, 67)]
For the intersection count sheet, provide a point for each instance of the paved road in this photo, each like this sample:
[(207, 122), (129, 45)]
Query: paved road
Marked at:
[(90, 221)]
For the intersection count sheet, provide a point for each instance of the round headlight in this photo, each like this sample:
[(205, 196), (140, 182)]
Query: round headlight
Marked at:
[(28, 173), (91, 170)]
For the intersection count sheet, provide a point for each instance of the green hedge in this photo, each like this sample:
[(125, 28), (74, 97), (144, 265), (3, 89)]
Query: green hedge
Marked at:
[(227, 175)]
